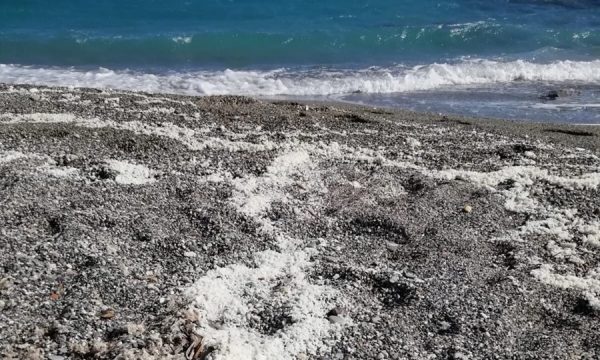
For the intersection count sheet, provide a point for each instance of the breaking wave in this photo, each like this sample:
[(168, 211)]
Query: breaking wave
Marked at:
[(312, 82)]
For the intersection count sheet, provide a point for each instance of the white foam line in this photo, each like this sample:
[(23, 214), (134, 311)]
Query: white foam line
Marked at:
[(311, 82)]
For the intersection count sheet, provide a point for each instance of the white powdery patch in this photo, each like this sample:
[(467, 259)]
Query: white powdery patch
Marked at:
[(255, 195), (60, 172), (526, 175), (38, 118), (519, 174), (159, 110), (559, 226), (589, 285), (8, 156), (522, 177), (586, 181), (591, 233), (131, 174), (47, 166), (517, 198), (229, 299), (412, 142)]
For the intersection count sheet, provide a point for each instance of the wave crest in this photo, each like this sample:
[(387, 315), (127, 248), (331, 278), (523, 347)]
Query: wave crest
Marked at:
[(316, 82)]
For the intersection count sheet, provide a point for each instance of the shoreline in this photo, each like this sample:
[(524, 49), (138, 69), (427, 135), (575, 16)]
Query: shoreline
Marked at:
[(150, 226), (565, 133)]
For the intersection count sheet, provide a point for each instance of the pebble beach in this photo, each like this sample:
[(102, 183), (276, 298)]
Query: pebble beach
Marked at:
[(140, 226)]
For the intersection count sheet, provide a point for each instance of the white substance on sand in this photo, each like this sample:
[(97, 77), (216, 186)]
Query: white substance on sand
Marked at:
[(589, 285), (559, 225), (591, 233), (255, 195), (131, 174), (412, 142), (8, 156), (193, 139), (230, 299), (48, 165), (60, 172)]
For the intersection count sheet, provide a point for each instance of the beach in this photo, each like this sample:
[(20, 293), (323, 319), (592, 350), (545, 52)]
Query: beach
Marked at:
[(153, 226)]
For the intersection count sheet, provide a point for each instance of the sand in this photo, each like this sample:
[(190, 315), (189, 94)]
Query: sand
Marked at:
[(139, 226)]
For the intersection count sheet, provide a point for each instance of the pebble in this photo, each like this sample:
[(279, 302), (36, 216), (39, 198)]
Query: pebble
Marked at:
[(55, 357), (189, 254), (409, 275), (107, 314), (391, 246), (468, 209), (4, 283)]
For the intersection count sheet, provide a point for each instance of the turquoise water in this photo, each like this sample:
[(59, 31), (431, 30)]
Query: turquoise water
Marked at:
[(379, 52)]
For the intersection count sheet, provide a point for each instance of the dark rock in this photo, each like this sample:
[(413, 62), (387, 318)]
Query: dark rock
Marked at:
[(550, 95), (583, 307)]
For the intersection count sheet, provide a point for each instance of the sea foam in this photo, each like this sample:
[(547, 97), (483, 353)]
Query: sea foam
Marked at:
[(314, 82)]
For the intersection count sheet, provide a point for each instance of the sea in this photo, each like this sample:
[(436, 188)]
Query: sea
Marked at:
[(527, 60)]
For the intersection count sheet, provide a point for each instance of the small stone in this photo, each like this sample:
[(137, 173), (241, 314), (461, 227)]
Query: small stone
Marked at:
[(391, 246), (550, 95), (375, 319), (4, 283), (409, 275), (189, 254), (55, 357), (107, 314), (468, 209)]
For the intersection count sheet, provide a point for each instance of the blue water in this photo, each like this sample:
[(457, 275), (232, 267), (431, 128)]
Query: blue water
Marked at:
[(384, 52)]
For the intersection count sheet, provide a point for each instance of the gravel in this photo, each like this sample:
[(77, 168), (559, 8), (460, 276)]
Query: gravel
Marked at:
[(417, 248)]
